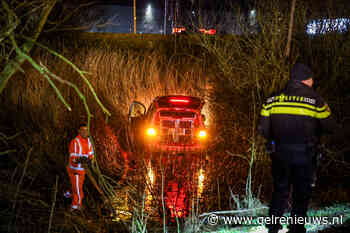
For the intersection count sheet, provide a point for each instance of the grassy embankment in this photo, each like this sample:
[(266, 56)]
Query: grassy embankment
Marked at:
[(234, 74)]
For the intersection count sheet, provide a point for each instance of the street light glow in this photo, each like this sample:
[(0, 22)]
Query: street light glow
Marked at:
[(149, 14), (253, 13), (149, 10)]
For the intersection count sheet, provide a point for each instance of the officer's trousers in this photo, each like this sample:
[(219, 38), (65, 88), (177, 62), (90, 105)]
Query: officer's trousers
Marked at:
[(291, 167), (77, 181)]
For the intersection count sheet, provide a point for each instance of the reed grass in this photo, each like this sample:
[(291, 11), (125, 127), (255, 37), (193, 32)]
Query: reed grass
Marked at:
[(234, 74)]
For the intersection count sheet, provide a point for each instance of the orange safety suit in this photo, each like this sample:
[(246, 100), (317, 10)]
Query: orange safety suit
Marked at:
[(79, 148)]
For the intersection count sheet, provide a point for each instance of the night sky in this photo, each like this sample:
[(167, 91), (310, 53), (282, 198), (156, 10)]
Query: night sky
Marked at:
[(160, 3), (150, 14), (218, 15)]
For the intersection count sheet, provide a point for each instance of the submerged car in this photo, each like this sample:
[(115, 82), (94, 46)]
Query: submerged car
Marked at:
[(172, 131), (172, 123)]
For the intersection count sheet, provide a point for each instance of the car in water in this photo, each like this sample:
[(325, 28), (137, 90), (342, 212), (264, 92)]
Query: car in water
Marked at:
[(172, 124), (171, 132)]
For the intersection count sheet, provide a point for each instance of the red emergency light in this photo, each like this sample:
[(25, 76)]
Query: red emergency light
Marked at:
[(178, 30), (209, 31)]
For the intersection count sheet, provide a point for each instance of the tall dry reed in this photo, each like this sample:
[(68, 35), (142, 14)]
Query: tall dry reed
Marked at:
[(233, 73)]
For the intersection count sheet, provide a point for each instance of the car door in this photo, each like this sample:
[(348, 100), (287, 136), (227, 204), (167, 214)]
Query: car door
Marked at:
[(136, 116), (136, 110)]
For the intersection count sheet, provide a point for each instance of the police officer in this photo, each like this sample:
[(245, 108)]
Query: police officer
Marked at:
[(292, 120)]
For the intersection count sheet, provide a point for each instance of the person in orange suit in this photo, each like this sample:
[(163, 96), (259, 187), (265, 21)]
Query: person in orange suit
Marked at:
[(80, 149)]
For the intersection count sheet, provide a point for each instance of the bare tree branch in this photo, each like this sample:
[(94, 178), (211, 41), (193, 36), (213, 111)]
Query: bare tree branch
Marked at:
[(12, 66), (80, 72)]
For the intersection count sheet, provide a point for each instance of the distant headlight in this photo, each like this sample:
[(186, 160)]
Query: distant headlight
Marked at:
[(151, 132)]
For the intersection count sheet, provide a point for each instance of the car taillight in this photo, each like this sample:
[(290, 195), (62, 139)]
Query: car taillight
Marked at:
[(179, 101), (151, 132), (202, 134)]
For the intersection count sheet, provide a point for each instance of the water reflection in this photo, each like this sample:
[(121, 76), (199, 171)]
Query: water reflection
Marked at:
[(201, 178), (150, 175), (148, 198), (120, 204), (184, 183)]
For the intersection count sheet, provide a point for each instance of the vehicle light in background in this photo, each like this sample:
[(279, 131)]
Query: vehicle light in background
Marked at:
[(202, 134), (184, 101), (178, 30), (207, 31), (151, 132)]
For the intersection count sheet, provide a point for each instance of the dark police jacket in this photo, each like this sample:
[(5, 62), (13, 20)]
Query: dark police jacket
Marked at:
[(296, 116)]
